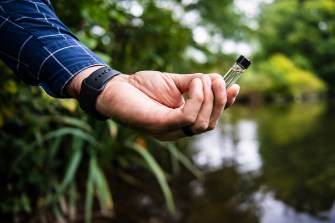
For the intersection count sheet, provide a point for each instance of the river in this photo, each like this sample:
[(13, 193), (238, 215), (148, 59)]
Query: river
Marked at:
[(266, 164)]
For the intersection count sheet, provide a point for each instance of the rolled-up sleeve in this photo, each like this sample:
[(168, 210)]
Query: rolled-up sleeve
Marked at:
[(39, 48)]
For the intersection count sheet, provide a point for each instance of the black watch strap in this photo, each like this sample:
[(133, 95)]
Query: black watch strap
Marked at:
[(91, 87)]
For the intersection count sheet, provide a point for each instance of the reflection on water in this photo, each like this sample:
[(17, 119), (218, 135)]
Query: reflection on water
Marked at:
[(276, 211), (239, 143), (239, 146), (263, 164)]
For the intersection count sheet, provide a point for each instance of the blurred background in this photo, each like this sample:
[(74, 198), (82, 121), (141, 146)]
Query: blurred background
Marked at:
[(270, 160)]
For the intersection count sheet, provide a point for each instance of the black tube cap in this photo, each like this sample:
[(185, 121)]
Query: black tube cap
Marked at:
[(243, 62)]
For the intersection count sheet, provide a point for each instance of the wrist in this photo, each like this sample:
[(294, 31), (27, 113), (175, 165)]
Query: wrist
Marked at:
[(72, 89), (92, 87), (108, 100)]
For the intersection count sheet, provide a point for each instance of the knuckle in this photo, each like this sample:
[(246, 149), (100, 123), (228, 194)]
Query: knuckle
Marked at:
[(190, 119), (212, 126), (199, 97), (209, 96), (221, 102), (201, 126), (216, 75)]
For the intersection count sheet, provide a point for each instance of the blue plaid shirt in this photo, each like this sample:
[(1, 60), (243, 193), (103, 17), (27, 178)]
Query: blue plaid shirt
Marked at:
[(38, 47)]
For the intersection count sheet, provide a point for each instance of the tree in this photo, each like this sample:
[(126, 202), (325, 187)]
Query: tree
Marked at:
[(302, 30)]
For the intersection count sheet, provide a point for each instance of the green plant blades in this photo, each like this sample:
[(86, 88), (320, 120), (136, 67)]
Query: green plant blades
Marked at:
[(56, 134), (79, 123), (157, 171), (97, 180), (72, 200), (176, 154), (184, 160), (89, 192), (103, 192), (73, 164), (72, 167), (25, 203), (70, 131)]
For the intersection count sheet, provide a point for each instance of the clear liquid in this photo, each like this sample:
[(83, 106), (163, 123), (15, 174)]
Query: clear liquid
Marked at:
[(233, 75)]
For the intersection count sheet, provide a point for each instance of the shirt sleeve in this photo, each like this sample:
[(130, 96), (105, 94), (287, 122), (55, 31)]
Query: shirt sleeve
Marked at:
[(39, 48)]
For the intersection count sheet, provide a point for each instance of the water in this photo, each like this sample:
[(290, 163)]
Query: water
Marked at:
[(266, 164)]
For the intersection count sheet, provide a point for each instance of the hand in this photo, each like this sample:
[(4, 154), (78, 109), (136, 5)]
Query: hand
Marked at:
[(153, 102)]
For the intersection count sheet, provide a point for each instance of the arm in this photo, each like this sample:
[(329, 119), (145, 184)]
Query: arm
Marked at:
[(43, 51), (39, 48)]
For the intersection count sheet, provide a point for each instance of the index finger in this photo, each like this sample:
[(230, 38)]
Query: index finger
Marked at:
[(187, 113)]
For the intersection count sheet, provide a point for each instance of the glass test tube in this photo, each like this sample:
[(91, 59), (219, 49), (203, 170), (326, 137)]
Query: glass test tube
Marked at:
[(236, 71)]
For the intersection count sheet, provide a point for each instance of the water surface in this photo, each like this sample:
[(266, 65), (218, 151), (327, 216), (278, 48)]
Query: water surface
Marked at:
[(267, 164)]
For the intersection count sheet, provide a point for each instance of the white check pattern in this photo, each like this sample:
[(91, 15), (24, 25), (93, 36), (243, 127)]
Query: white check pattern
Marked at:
[(38, 47)]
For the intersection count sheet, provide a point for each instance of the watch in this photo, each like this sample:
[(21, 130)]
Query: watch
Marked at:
[(91, 87)]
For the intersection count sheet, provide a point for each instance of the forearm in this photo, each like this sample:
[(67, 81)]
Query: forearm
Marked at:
[(42, 51)]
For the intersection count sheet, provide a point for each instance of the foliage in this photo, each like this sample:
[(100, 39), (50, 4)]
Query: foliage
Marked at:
[(49, 152), (52, 152), (55, 161), (303, 31), (279, 75), (219, 16)]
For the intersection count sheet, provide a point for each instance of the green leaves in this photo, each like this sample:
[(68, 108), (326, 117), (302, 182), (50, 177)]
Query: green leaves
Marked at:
[(157, 171), (97, 180), (178, 156), (279, 75), (302, 31)]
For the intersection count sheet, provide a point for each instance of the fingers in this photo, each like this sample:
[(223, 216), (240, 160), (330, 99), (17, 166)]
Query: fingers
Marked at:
[(194, 103), (183, 81), (203, 119), (220, 100), (188, 113), (202, 110), (205, 115), (198, 107), (232, 94), (215, 99)]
